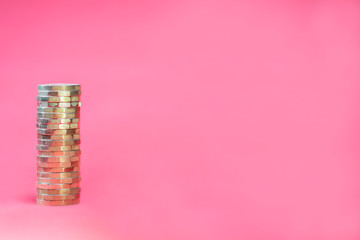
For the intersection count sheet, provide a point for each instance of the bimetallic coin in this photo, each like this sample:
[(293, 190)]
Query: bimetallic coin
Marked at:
[(58, 126), (59, 153), (59, 93), (57, 120), (58, 191), (57, 197), (58, 137), (58, 170), (58, 115), (58, 87), (58, 175), (45, 159), (58, 164), (59, 142), (58, 110), (59, 104), (58, 131), (58, 99), (58, 180), (56, 185), (57, 203)]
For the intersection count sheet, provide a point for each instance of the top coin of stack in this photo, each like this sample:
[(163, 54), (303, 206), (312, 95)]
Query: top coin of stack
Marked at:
[(58, 134)]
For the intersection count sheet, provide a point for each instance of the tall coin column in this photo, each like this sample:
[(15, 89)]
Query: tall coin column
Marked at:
[(58, 135)]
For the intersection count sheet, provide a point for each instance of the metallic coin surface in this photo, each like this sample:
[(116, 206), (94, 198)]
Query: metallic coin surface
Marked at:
[(59, 153), (59, 142), (58, 126), (57, 197), (58, 115), (58, 110), (58, 175), (58, 180), (58, 99), (56, 185), (58, 191), (59, 104), (57, 120), (57, 148), (58, 131), (46, 159), (58, 170), (58, 137), (57, 203), (59, 93), (58, 164), (58, 87)]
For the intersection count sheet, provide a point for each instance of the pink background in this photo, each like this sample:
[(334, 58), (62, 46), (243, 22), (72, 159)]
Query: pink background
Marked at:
[(200, 119)]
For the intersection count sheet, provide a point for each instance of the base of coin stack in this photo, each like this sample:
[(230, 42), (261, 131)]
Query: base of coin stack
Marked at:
[(58, 138)]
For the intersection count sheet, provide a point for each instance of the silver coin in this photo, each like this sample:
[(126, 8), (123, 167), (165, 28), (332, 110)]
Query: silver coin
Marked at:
[(59, 137), (58, 115), (58, 126), (58, 109), (57, 120), (58, 99), (58, 87), (59, 142), (58, 131), (59, 104), (59, 93)]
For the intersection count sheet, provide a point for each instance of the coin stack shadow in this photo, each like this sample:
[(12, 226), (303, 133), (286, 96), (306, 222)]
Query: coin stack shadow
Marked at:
[(58, 136)]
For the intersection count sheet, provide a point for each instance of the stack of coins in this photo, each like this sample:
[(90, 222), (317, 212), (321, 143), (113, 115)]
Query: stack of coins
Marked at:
[(58, 135)]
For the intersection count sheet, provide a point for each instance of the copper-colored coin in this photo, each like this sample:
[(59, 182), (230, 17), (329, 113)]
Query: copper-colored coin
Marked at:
[(58, 115), (58, 197), (58, 175), (56, 186), (59, 104), (58, 131), (58, 180), (58, 99), (58, 170), (58, 191), (59, 93), (57, 203), (57, 148), (58, 126), (45, 159), (59, 142), (58, 164), (59, 153), (57, 120), (58, 87), (58, 137)]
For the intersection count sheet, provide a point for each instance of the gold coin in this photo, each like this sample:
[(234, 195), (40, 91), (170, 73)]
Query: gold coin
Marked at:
[(57, 120), (58, 99), (58, 110), (58, 170), (59, 142), (57, 197), (58, 180), (58, 126), (58, 115), (59, 93), (58, 191), (45, 159), (58, 87), (58, 175), (58, 164), (56, 185), (59, 153), (57, 203), (59, 104), (58, 131), (58, 137)]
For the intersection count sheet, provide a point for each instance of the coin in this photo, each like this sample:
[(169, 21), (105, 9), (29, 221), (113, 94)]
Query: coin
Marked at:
[(58, 115), (57, 148), (58, 175), (58, 164), (58, 191), (57, 197), (59, 104), (57, 120), (58, 170), (59, 93), (59, 142), (58, 110), (58, 87), (56, 185), (57, 203), (58, 180), (58, 126), (58, 137), (59, 153), (45, 159), (58, 99), (58, 131)]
